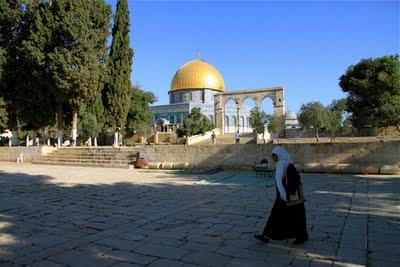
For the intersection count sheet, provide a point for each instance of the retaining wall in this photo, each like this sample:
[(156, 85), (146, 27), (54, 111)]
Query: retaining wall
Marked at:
[(11, 153), (370, 157), (358, 157)]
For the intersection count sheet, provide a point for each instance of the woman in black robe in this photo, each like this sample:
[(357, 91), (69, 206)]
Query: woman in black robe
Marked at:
[(287, 220)]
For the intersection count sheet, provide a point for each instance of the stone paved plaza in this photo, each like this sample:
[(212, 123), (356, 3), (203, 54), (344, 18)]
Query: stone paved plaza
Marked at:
[(71, 216)]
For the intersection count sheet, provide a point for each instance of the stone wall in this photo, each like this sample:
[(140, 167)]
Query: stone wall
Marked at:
[(191, 140), (11, 153), (368, 157)]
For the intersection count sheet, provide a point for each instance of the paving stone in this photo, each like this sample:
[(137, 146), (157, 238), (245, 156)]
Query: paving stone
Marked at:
[(321, 263), (380, 263), (162, 251), (199, 247), (355, 256), (125, 264), (95, 248), (206, 259), (346, 264), (84, 213), (165, 262), (117, 243), (248, 263), (44, 263), (242, 253), (130, 257), (80, 258), (131, 236)]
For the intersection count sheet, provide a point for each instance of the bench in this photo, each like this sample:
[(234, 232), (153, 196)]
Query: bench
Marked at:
[(261, 168)]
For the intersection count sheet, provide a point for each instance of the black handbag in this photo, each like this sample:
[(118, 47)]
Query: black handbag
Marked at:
[(293, 186)]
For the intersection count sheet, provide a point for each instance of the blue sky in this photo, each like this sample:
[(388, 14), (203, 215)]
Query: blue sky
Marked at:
[(302, 45)]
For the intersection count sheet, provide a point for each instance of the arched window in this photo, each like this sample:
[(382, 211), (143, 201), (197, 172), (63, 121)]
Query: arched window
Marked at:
[(233, 125), (226, 130), (211, 118)]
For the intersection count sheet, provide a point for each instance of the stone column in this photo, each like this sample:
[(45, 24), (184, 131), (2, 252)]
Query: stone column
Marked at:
[(218, 113), (238, 116), (156, 138), (279, 104)]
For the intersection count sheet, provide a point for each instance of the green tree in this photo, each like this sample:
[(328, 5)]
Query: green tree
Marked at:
[(347, 127), (13, 30), (92, 120), (32, 84), (139, 117), (313, 116), (55, 59), (336, 118), (118, 88), (3, 115), (77, 63), (275, 124), (333, 122), (196, 123), (373, 87), (257, 120)]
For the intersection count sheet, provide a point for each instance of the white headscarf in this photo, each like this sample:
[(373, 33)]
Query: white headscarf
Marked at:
[(282, 154), (283, 161)]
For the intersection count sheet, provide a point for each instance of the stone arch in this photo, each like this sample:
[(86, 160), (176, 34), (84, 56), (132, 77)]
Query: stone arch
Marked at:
[(274, 93), (243, 99), (267, 104), (235, 99)]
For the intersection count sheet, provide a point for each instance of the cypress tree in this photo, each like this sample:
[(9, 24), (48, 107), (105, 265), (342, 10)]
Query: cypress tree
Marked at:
[(3, 115), (77, 63), (14, 22), (118, 88)]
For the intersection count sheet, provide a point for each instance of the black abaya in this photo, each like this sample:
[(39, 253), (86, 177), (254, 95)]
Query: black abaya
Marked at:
[(286, 222)]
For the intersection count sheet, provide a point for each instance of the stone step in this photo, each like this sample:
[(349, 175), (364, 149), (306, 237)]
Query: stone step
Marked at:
[(83, 164), (56, 157), (120, 149), (113, 156), (94, 152), (91, 156), (126, 161)]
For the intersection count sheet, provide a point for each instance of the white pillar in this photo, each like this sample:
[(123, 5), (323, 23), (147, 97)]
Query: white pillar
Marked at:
[(90, 141), (116, 139), (60, 137), (74, 136), (27, 141), (95, 141)]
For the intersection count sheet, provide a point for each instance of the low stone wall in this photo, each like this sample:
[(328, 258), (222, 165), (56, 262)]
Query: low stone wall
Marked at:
[(368, 157), (202, 137), (11, 153)]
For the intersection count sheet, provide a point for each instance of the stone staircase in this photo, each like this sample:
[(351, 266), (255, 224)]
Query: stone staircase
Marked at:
[(104, 157), (229, 138)]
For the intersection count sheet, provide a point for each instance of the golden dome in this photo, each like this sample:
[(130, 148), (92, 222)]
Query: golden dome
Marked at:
[(197, 74)]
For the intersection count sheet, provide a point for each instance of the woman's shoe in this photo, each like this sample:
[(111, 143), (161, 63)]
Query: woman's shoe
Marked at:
[(262, 238)]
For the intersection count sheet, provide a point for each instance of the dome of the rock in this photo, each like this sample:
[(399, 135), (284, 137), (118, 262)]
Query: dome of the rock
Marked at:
[(197, 74)]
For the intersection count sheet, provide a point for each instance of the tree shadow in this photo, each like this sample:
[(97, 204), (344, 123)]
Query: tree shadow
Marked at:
[(45, 220)]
